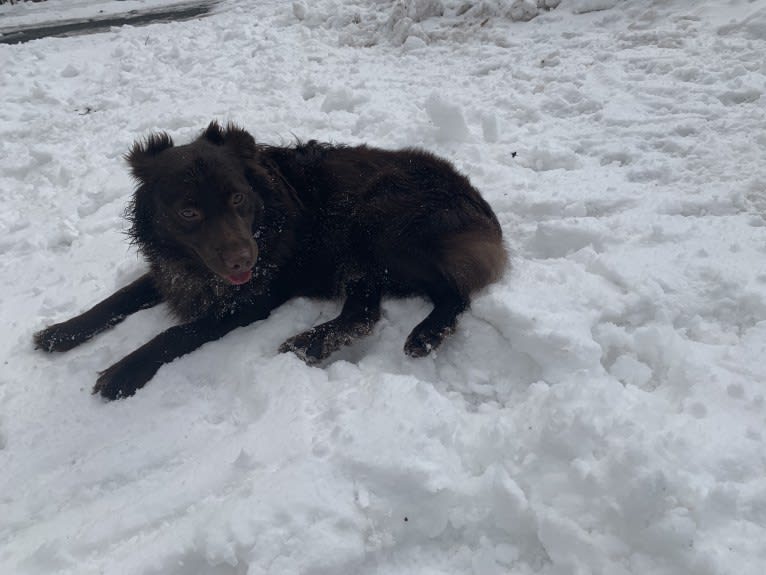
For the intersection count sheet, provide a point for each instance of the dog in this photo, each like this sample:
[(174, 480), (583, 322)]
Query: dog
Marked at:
[(232, 229)]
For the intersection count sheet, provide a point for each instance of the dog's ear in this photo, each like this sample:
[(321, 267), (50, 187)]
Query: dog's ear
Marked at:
[(141, 155), (214, 133), (239, 140)]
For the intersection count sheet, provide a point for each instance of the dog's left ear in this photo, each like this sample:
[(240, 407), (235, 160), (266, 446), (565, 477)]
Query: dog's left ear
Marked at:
[(237, 139)]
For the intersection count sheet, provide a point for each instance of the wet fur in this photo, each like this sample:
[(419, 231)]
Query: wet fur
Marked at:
[(319, 220)]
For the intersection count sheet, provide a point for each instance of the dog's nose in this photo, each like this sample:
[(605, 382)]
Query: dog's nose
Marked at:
[(239, 260)]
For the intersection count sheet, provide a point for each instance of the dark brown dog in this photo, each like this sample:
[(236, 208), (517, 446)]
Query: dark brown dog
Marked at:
[(232, 229)]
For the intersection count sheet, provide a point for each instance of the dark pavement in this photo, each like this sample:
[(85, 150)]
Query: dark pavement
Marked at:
[(185, 11)]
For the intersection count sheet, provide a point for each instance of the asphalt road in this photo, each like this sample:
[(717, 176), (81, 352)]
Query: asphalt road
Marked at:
[(187, 11)]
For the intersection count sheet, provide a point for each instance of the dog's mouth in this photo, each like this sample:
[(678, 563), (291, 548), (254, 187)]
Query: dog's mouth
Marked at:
[(239, 278)]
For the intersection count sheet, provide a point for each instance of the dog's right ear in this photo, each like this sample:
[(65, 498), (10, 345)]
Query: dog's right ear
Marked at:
[(236, 138), (141, 155)]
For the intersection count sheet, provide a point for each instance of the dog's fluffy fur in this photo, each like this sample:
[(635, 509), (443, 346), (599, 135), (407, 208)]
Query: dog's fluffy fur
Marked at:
[(232, 229)]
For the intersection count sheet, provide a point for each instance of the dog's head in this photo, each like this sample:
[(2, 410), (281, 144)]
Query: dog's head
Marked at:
[(199, 199)]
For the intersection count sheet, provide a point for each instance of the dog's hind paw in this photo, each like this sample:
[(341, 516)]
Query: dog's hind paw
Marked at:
[(421, 342)]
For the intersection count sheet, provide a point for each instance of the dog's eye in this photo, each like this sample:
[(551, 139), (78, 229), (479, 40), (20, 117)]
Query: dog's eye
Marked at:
[(189, 214), (237, 198)]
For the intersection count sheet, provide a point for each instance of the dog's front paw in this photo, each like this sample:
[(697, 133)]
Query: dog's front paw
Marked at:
[(115, 383), (58, 337), (123, 379)]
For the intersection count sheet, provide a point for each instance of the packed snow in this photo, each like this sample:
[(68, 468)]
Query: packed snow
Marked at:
[(599, 410)]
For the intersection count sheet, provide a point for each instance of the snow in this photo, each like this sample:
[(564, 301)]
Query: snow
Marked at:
[(447, 119), (599, 410)]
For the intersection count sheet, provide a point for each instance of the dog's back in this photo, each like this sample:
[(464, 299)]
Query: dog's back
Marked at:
[(407, 216)]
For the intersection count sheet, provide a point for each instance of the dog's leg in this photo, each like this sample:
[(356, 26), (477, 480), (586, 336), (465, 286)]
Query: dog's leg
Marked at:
[(466, 262), (440, 323), (361, 311), (141, 294), (133, 371)]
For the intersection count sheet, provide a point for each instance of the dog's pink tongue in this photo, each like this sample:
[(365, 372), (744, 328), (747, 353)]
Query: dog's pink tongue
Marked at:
[(239, 279)]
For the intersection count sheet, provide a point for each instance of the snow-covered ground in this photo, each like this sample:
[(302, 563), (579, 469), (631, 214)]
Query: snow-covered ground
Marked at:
[(600, 410)]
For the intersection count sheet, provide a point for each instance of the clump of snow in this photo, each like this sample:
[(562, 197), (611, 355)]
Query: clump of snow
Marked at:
[(341, 98), (300, 9), (362, 23), (69, 72), (402, 22), (550, 157), (583, 6), (448, 120), (413, 43), (417, 10), (489, 128)]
